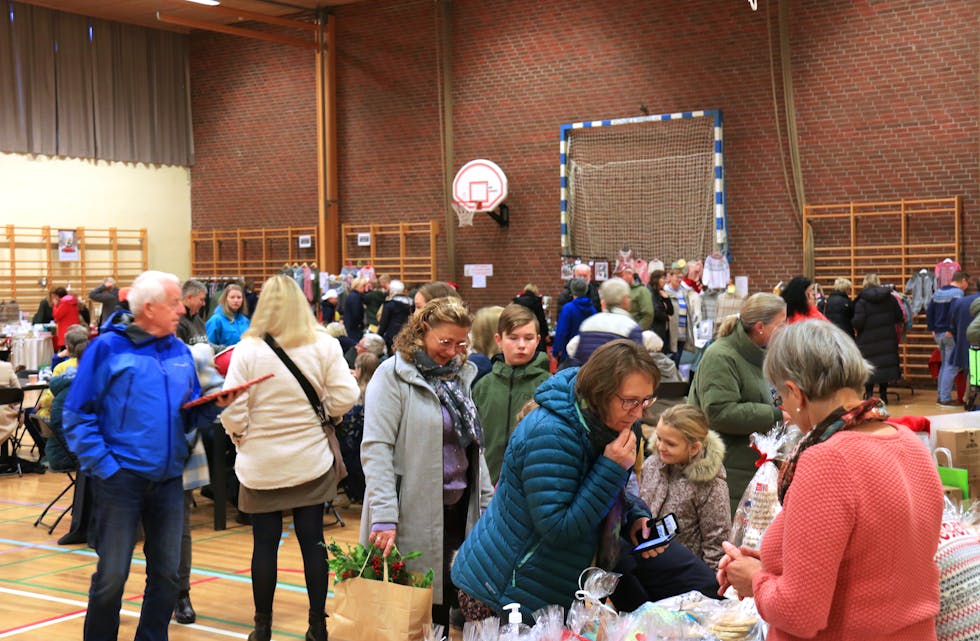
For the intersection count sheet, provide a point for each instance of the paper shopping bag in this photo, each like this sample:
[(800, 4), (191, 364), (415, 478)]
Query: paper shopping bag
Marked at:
[(370, 610)]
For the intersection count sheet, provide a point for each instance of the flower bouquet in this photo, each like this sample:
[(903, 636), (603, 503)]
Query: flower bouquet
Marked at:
[(369, 563)]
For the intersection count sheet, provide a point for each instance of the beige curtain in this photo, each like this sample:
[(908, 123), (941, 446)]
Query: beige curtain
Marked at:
[(82, 87)]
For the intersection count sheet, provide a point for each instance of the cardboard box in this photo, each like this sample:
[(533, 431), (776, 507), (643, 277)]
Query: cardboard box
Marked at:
[(964, 444), (955, 494)]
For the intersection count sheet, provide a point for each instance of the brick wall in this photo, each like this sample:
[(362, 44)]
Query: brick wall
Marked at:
[(886, 93)]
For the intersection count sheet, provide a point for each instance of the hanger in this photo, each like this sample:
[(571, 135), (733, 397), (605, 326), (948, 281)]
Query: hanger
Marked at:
[(924, 271), (947, 260)]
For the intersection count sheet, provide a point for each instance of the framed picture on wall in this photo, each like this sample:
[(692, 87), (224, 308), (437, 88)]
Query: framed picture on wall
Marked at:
[(567, 265), (600, 270), (67, 245)]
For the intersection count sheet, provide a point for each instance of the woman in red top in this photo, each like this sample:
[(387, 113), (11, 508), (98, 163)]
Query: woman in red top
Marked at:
[(850, 557), (65, 313), (801, 300)]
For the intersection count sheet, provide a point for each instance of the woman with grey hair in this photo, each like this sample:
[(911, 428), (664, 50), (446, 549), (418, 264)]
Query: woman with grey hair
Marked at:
[(729, 387), (829, 556), (839, 308)]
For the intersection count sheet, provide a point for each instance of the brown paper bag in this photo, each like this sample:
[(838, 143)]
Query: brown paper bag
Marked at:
[(370, 610)]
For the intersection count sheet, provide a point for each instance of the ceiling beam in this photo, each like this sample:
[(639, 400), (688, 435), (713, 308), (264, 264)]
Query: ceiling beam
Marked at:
[(261, 17), (235, 31)]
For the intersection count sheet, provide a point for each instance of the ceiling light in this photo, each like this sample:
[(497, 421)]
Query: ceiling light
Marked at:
[(210, 3)]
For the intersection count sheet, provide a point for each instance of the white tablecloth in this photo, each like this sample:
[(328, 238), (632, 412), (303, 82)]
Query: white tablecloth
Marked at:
[(31, 352)]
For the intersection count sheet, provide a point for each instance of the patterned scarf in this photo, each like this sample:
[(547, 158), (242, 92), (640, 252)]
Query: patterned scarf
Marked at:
[(607, 554), (840, 419), (445, 380)]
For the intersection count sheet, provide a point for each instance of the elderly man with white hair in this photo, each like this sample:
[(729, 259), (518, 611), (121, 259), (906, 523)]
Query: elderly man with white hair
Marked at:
[(123, 419), (583, 271)]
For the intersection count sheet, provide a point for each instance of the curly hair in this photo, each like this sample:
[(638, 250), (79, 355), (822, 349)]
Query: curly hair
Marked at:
[(438, 311)]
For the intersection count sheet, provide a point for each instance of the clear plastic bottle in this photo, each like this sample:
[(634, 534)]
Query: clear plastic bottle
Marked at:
[(515, 629)]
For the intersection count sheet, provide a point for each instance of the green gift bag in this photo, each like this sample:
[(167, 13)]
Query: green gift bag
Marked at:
[(952, 476)]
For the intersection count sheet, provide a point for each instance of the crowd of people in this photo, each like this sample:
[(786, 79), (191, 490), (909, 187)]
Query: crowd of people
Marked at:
[(547, 462)]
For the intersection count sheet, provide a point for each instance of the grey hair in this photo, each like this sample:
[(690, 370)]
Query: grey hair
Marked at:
[(76, 340), (149, 287), (336, 329), (373, 343), (871, 279), (613, 291), (818, 356), (842, 285), (192, 287), (762, 307)]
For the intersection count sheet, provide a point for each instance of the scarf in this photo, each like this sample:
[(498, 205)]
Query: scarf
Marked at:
[(610, 531), (840, 419), (444, 379)]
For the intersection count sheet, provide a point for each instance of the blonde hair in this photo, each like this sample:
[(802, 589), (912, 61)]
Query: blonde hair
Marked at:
[(336, 329), (437, 289), (283, 312), (688, 420), (484, 326), (870, 280), (223, 300), (758, 308), (366, 363), (531, 288), (438, 311), (842, 285)]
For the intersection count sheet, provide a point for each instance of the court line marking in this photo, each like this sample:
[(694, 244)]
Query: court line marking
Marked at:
[(74, 615)]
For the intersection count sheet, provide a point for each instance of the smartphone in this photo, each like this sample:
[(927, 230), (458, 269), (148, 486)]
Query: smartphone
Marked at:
[(662, 532)]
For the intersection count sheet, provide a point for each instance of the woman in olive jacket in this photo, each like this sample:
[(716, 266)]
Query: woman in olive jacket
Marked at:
[(729, 386)]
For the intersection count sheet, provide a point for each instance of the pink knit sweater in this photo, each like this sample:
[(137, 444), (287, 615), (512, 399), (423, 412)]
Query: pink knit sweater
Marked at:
[(850, 558)]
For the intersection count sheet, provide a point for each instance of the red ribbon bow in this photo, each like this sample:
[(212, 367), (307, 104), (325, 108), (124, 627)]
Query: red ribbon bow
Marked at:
[(763, 457)]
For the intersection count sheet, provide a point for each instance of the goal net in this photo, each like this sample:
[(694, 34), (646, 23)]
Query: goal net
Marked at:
[(654, 184)]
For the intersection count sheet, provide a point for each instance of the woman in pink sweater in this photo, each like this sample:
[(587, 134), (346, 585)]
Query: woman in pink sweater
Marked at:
[(850, 557)]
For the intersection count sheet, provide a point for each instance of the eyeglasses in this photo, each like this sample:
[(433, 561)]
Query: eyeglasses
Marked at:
[(630, 404), (450, 343)]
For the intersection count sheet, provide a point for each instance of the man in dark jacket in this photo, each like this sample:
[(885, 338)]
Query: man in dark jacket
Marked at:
[(108, 294), (123, 419), (960, 319), (191, 329), (583, 271)]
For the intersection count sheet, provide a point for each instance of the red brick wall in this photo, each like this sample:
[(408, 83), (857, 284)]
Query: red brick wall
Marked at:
[(254, 111), (886, 93)]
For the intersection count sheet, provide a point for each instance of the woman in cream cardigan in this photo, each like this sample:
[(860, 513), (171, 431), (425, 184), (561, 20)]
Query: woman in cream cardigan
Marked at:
[(284, 460)]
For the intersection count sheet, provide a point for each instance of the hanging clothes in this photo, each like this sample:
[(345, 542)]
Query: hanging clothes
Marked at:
[(920, 288), (944, 272), (307, 284), (716, 272)]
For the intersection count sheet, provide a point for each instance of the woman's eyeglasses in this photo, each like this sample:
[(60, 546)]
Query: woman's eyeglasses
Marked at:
[(630, 404), (450, 343)]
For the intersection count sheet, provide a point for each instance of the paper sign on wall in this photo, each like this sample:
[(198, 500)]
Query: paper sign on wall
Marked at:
[(479, 281), (477, 270)]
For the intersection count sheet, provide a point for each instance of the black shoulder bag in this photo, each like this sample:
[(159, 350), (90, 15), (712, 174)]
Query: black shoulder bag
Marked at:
[(314, 399)]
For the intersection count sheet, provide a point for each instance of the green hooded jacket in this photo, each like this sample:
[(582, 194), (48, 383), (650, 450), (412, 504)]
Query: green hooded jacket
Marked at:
[(641, 305), (499, 396), (730, 389)]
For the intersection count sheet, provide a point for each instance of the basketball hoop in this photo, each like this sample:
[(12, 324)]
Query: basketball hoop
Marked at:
[(463, 214)]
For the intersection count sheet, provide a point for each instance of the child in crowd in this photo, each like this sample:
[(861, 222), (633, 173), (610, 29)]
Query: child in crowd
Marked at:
[(686, 476), (351, 430), (515, 375)]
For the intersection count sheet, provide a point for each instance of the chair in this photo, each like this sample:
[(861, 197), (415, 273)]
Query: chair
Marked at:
[(331, 510), (48, 433), (12, 396)]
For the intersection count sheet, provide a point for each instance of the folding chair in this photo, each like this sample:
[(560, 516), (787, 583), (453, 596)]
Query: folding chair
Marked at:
[(331, 510), (48, 433), (12, 396)]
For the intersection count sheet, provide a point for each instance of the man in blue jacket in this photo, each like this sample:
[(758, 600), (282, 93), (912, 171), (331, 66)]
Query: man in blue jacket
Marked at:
[(123, 419), (939, 316)]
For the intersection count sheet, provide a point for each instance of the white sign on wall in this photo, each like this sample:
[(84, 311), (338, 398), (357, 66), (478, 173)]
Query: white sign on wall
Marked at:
[(364, 240), (305, 241)]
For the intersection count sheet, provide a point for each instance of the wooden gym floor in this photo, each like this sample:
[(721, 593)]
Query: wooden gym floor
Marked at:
[(44, 586)]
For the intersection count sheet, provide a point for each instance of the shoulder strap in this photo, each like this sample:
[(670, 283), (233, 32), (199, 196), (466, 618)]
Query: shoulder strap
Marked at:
[(311, 394)]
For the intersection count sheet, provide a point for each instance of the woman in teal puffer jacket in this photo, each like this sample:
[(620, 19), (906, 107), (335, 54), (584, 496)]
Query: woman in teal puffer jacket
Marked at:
[(560, 502)]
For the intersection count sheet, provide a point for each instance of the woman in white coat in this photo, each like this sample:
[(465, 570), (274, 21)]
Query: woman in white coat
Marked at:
[(284, 460), (422, 439)]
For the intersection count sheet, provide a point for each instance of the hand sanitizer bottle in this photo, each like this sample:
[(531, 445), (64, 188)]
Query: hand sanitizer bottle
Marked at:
[(516, 628)]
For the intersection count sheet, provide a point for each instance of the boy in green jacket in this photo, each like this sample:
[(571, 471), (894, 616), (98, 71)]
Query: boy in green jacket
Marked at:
[(517, 371)]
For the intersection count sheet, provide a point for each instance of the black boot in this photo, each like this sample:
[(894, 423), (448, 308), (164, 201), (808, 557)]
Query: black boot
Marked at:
[(263, 628), (318, 627), (184, 612)]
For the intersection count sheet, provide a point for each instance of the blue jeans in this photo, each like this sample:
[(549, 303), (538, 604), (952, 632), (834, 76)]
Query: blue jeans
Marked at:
[(120, 503), (949, 370)]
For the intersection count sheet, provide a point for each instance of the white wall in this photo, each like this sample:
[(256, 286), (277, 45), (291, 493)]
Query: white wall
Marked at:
[(38, 190)]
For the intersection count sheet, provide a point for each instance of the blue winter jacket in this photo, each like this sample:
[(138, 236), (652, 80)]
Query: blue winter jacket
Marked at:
[(569, 319), (542, 526), (939, 313), (960, 319), (224, 332), (123, 409)]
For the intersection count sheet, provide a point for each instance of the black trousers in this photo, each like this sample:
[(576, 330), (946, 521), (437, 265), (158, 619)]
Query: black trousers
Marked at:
[(675, 571)]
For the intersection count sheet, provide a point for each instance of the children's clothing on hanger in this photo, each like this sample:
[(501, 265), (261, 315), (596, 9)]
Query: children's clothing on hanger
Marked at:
[(920, 288), (944, 272), (716, 271)]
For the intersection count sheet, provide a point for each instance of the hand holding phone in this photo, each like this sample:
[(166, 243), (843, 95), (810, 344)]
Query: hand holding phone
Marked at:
[(662, 532)]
